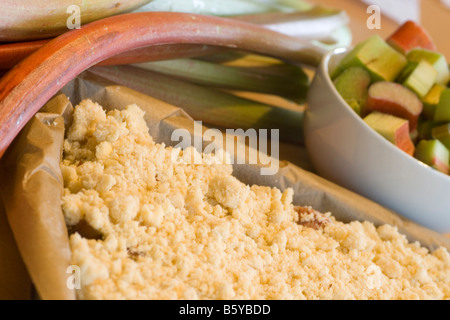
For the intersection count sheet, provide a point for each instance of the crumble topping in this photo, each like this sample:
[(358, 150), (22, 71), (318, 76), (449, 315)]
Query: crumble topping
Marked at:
[(144, 226)]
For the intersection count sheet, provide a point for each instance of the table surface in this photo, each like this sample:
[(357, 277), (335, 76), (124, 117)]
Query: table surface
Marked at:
[(434, 16)]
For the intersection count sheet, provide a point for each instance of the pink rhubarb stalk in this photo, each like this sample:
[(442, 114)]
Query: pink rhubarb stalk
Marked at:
[(28, 86)]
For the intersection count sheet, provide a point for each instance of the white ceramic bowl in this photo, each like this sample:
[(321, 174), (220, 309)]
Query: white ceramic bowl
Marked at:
[(345, 150)]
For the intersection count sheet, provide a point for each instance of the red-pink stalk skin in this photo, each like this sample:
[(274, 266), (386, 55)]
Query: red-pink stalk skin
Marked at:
[(12, 53), (31, 83)]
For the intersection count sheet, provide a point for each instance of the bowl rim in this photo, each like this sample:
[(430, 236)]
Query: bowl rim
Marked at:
[(324, 69)]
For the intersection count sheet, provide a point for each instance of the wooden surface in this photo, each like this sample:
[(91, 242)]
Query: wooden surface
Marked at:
[(15, 283), (434, 16), (436, 19)]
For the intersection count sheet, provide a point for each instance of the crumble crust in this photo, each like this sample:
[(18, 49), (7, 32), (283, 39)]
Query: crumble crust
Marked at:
[(144, 226)]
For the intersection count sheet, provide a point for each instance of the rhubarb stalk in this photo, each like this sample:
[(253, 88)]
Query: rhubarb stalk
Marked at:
[(212, 106), (324, 27), (33, 19), (28, 86), (316, 23), (232, 77), (12, 53)]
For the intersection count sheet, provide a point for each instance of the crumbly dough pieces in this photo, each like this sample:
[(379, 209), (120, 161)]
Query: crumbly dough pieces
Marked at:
[(169, 229)]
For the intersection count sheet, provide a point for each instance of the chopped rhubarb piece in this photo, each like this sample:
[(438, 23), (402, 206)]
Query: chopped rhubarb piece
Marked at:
[(431, 100), (409, 36), (442, 133), (435, 59), (433, 153), (394, 129), (377, 57), (421, 79), (395, 99), (442, 112), (352, 85)]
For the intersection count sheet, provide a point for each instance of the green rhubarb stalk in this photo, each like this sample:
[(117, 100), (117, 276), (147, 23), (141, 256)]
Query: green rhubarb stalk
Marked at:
[(211, 106), (218, 7), (24, 89), (299, 5), (257, 63), (33, 19), (232, 77), (315, 23), (254, 63), (324, 26)]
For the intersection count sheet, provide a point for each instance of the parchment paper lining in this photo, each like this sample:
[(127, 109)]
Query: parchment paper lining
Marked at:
[(32, 183)]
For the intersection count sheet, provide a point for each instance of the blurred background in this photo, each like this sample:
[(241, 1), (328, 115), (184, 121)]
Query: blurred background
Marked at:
[(434, 15)]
